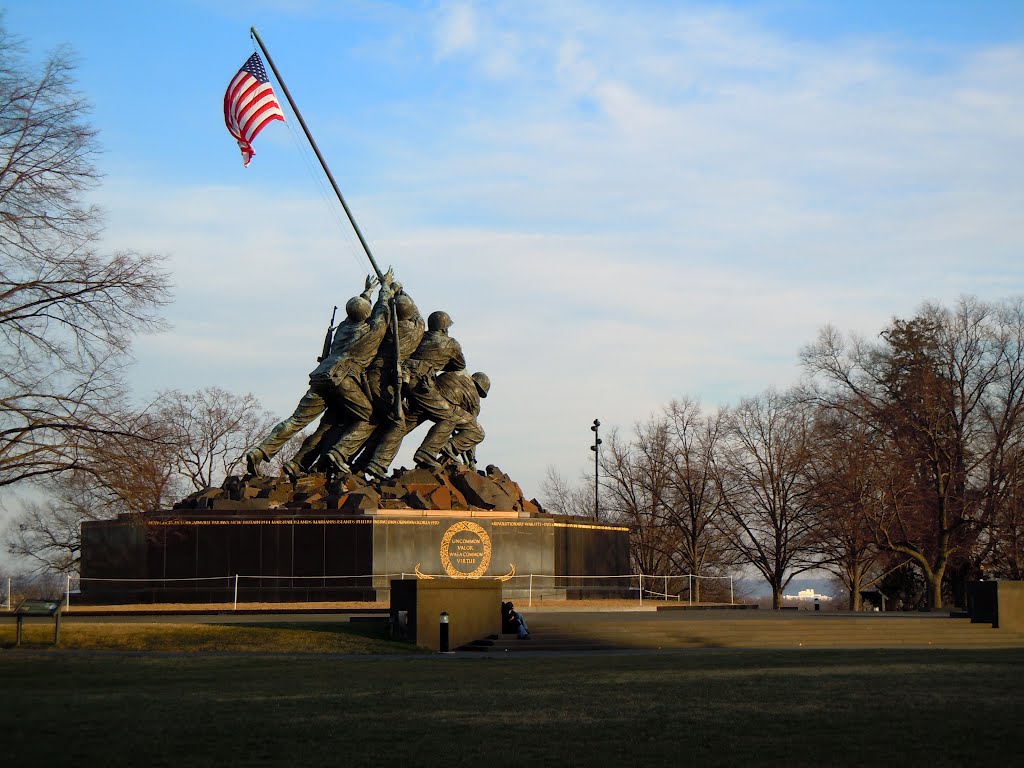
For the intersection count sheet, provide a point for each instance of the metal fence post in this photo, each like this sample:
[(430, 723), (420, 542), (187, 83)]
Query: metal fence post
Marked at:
[(531, 590), (67, 601), (236, 593), (641, 587)]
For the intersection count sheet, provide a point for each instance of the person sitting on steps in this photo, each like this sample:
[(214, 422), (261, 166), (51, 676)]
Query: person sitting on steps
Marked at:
[(513, 621)]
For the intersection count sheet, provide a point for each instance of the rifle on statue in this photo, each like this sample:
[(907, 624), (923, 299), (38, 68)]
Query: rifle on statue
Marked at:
[(328, 337)]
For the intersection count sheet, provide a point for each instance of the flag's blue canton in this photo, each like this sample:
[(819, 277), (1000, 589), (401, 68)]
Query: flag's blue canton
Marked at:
[(254, 66)]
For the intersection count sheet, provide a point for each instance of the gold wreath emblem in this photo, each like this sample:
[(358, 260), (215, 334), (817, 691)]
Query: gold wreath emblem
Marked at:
[(420, 574), (446, 560)]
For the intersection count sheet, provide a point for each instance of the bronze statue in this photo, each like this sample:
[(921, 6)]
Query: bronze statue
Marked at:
[(460, 437), (381, 384), (364, 374), (336, 379), (436, 352)]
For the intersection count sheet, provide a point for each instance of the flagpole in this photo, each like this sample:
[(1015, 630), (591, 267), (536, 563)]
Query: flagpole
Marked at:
[(351, 218), (316, 150)]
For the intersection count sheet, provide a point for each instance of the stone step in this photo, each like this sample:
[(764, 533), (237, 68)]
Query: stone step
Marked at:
[(553, 642)]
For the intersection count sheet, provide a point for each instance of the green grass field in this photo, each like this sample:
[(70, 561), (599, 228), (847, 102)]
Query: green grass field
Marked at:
[(701, 708), (278, 637)]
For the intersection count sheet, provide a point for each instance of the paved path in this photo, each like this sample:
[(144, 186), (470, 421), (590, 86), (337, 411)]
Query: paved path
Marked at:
[(758, 629)]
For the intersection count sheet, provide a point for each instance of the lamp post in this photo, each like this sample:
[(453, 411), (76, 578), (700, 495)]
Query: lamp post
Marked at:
[(594, 448)]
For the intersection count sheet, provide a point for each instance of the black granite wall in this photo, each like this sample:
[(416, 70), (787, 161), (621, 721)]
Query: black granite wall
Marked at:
[(319, 557)]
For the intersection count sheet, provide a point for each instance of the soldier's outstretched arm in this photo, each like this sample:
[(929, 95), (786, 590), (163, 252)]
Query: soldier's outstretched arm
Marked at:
[(387, 286), (381, 313), (368, 286)]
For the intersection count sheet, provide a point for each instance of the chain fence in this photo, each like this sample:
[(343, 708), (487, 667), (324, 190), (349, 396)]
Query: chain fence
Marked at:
[(533, 587)]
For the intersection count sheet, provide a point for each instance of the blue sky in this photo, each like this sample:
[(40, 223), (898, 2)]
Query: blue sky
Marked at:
[(618, 203)]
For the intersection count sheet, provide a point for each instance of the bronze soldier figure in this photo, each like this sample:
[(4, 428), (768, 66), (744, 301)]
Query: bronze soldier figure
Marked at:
[(336, 380), (460, 438), (437, 352)]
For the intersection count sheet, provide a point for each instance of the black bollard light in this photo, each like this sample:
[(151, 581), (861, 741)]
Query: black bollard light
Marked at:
[(444, 631)]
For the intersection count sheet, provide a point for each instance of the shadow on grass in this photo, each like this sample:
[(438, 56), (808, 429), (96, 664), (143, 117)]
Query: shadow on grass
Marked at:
[(707, 708)]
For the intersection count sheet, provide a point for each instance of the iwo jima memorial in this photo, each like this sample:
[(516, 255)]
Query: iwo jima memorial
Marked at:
[(338, 523)]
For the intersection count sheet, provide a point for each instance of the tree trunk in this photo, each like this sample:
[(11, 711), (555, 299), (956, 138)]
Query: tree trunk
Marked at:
[(855, 583), (932, 577), (959, 578), (934, 582)]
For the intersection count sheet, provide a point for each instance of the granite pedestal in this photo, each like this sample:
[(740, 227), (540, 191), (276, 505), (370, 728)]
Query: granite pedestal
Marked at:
[(320, 555)]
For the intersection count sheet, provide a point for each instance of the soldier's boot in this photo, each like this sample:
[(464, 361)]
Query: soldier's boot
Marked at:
[(336, 469), (292, 470), (449, 455), (375, 472), (253, 459), (425, 460), (336, 463)]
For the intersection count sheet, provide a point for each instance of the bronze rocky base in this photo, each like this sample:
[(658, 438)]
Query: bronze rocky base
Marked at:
[(452, 487)]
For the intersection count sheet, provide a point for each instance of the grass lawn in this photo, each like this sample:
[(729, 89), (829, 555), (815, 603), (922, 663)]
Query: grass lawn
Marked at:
[(310, 637), (700, 708)]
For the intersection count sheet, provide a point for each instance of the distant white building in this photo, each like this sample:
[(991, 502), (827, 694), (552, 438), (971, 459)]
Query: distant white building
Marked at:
[(807, 595)]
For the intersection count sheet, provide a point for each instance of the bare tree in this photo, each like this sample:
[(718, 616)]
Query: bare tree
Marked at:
[(180, 443), (24, 584), (565, 499), (942, 395), (695, 507), (635, 479), (47, 534), (662, 483), (846, 490), (136, 471), (1000, 547), (126, 472), (765, 489), (211, 430), (67, 312), (1003, 540)]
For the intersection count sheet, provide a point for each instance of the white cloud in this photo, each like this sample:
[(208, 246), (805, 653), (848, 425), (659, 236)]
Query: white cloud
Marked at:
[(457, 31), (576, 71), (655, 203)]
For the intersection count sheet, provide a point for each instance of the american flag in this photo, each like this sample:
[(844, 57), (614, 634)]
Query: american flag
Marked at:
[(249, 104)]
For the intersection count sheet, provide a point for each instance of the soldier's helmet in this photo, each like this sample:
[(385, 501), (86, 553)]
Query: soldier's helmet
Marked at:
[(357, 308), (483, 383), (439, 321), (405, 307)]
